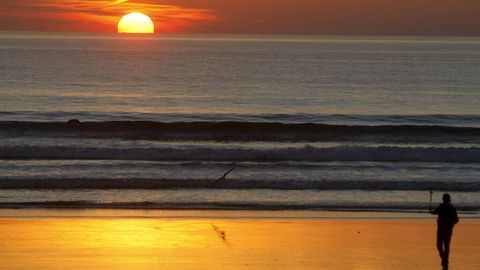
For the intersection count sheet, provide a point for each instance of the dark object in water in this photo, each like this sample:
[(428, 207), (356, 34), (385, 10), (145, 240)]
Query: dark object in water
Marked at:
[(74, 122), (223, 178)]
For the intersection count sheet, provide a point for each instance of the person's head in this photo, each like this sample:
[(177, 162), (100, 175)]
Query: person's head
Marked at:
[(446, 198)]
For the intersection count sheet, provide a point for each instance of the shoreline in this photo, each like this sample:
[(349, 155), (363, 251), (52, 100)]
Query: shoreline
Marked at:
[(222, 214)]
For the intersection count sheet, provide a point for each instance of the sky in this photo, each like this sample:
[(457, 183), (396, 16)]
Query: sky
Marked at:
[(317, 17)]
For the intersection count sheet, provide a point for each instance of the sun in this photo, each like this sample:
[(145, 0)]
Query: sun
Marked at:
[(136, 23)]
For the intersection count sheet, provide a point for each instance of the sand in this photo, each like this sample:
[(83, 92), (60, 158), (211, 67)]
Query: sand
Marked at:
[(212, 240)]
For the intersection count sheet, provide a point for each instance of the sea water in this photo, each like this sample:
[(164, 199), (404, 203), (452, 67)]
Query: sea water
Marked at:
[(307, 123)]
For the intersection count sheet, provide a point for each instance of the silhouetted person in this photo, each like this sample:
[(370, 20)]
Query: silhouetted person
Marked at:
[(447, 218)]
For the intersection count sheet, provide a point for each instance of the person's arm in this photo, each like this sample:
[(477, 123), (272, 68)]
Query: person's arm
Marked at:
[(455, 216), (434, 212)]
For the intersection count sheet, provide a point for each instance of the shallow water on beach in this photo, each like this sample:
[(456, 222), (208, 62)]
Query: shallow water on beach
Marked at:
[(308, 123), (212, 243)]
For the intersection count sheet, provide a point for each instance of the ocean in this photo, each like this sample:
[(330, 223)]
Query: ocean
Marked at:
[(307, 123)]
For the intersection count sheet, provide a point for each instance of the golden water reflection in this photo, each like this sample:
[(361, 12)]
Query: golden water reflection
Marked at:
[(204, 243)]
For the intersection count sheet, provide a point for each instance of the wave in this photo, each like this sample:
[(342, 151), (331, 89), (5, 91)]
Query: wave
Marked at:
[(242, 131), (237, 184), (307, 153), (332, 119), (364, 207)]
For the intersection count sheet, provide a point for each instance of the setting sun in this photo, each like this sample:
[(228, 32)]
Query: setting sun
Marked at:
[(136, 23)]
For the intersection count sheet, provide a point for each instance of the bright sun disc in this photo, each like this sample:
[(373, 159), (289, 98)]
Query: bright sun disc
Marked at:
[(136, 23)]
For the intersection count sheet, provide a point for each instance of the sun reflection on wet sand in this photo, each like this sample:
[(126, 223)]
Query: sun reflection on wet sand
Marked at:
[(203, 243)]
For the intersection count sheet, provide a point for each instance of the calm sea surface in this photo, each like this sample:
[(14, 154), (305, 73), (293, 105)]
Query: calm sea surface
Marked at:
[(307, 123)]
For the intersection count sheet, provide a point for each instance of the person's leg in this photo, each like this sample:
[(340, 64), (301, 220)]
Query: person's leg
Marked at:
[(446, 249), (440, 242)]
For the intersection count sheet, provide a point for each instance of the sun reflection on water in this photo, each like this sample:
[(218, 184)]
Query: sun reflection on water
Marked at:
[(206, 243)]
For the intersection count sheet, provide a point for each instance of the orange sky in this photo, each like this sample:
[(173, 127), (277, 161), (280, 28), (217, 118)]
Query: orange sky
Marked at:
[(327, 17)]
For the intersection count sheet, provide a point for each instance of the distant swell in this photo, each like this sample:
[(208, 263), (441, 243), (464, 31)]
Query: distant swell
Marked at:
[(138, 183), (240, 131), (307, 153)]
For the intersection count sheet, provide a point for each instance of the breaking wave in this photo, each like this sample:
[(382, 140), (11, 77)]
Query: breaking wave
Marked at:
[(378, 207), (236, 184), (241, 131), (306, 153)]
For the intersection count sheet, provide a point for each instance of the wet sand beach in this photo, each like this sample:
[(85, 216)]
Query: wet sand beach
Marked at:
[(91, 239)]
